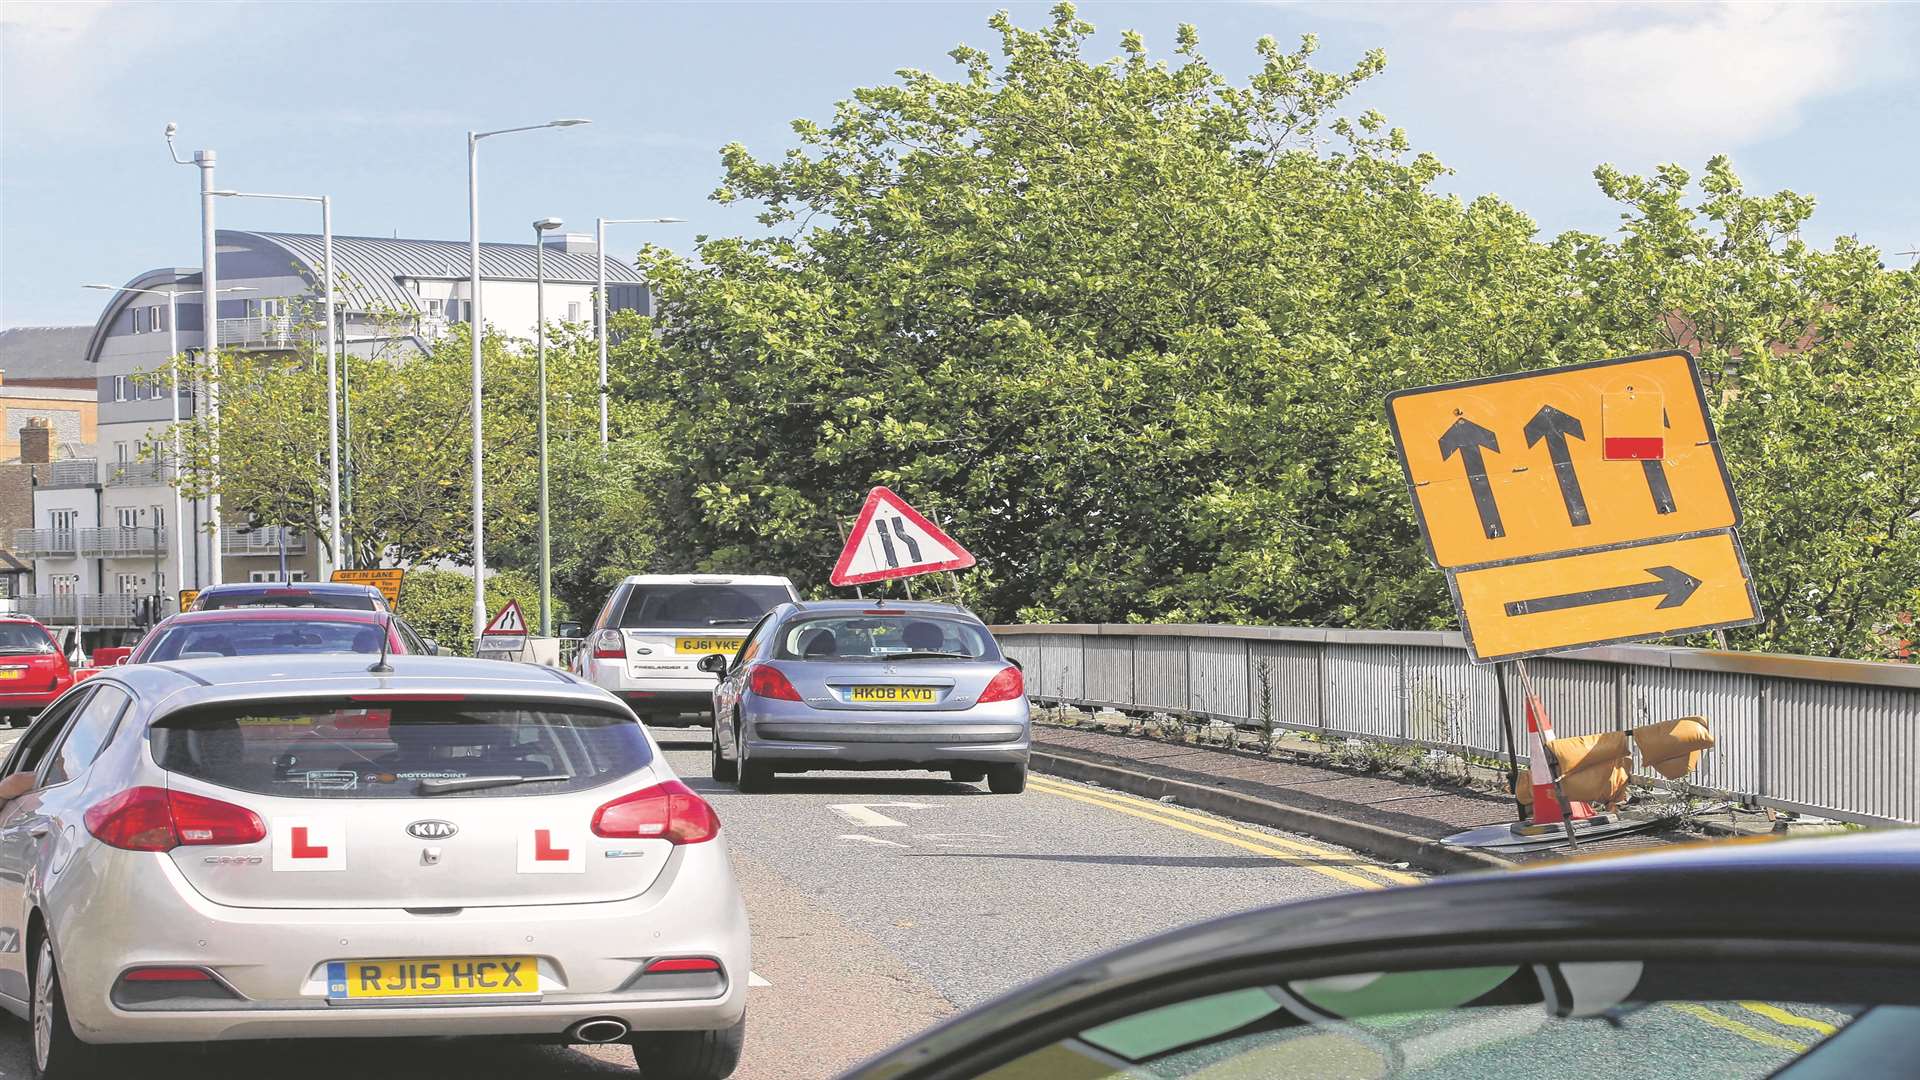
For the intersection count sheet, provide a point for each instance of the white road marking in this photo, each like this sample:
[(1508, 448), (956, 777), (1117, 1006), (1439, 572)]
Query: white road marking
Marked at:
[(869, 839), (754, 979), (863, 815)]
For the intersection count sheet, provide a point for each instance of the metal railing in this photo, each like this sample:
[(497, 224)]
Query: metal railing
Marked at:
[(138, 473), (264, 541), (115, 540), (71, 472), (266, 331), (82, 609), (46, 542), (1835, 738)]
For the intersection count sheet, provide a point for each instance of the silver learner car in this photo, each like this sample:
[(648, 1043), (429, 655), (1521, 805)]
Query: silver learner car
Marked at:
[(857, 684), (281, 847)]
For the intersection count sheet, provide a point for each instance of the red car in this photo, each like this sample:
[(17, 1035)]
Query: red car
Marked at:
[(32, 669), (200, 635)]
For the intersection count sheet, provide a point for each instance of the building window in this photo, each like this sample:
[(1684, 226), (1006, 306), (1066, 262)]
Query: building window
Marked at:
[(138, 317), (119, 388), (160, 317), (272, 577), (63, 520), (131, 583), (573, 311), (66, 584), (129, 517)]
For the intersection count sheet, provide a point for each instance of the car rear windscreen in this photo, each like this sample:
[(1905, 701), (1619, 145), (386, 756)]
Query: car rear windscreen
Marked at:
[(866, 636), (17, 638), (692, 605), (348, 601), (261, 637), (343, 749)]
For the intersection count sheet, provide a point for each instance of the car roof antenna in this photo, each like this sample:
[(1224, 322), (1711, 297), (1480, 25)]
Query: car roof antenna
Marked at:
[(380, 666)]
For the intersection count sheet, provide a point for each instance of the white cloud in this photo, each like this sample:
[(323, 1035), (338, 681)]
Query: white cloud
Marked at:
[(1678, 80)]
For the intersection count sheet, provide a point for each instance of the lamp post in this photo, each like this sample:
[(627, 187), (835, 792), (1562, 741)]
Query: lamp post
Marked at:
[(210, 280), (476, 326), (540, 229), (173, 367), (333, 392), (600, 250)]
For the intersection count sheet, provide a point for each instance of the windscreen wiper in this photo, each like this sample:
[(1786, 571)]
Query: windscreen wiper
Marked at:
[(731, 622), (447, 785)]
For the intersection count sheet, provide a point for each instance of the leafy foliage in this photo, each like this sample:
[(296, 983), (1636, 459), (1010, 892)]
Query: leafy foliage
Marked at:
[(439, 603), (1129, 327)]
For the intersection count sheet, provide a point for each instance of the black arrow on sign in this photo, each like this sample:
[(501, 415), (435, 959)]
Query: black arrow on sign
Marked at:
[(1656, 474), (1467, 439), (1673, 587), (1554, 426)]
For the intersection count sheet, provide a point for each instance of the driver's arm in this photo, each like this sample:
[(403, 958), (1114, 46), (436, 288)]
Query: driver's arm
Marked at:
[(15, 786)]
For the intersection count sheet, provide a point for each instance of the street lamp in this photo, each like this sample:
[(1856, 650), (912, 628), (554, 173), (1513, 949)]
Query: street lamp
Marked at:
[(540, 229), (600, 249), (210, 280), (333, 393), (476, 326), (173, 350)]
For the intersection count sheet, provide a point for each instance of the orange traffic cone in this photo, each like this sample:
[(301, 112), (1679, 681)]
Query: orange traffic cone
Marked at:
[(1546, 803)]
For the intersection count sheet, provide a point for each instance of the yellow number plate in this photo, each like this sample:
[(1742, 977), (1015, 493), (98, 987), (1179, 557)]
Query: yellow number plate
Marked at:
[(15, 673), (892, 694), (359, 980), (706, 646)]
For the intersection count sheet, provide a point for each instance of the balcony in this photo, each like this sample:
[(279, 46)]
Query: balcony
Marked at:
[(73, 472), (42, 543), (262, 541), (138, 474), (259, 332), (122, 540), (82, 609)]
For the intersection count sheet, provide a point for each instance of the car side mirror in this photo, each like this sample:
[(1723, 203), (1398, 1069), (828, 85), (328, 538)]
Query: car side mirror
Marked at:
[(569, 629), (432, 646), (713, 663)]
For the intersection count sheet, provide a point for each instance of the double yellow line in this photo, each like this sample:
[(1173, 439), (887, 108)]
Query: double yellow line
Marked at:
[(1341, 866)]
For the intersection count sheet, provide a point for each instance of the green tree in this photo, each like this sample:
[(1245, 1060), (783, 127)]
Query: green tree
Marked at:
[(1129, 326), (439, 603)]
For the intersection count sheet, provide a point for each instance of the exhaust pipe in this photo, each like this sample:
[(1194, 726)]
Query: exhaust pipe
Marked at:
[(602, 1030)]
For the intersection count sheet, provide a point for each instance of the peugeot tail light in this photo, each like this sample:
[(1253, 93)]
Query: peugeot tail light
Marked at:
[(1005, 686), (770, 682)]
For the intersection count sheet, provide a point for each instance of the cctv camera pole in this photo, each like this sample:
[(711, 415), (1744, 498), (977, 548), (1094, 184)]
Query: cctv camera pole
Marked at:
[(210, 334), (540, 339)]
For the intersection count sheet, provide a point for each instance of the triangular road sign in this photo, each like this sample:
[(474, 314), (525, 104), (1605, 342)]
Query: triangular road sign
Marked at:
[(508, 621), (892, 540)]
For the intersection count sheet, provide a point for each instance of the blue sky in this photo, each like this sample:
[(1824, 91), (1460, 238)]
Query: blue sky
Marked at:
[(369, 103)]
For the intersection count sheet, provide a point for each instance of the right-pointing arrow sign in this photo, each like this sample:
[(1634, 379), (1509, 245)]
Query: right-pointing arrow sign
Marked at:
[(1672, 585)]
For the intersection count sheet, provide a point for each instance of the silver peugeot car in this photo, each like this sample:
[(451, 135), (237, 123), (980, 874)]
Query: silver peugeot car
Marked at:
[(859, 684), (278, 847)]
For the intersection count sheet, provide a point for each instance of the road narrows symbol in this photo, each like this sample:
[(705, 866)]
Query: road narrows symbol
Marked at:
[(1672, 585), (1468, 439), (913, 546), (1555, 427)]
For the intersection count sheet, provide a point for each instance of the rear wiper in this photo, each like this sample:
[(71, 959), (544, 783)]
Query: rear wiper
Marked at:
[(476, 783), (930, 655)]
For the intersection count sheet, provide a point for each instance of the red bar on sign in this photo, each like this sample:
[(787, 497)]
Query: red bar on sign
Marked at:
[(304, 850), (543, 849), (1635, 449)]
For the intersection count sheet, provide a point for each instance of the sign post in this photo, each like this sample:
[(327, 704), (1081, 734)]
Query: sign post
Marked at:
[(893, 540), (1577, 506)]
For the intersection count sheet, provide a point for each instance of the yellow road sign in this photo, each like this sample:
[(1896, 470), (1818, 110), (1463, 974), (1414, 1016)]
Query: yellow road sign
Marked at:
[(388, 581), (1576, 458), (187, 597), (1625, 593)]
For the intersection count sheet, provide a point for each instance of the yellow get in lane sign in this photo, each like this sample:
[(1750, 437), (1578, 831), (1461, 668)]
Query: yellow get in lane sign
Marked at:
[(1626, 593), (1520, 466), (1578, 506), (388, 581)]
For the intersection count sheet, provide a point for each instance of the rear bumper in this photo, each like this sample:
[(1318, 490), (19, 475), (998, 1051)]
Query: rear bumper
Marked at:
[(674, 691), (828, 739), (275, 959), (31, 701)]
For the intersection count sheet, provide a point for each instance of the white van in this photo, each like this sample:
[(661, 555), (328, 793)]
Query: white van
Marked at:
[(655, 628)]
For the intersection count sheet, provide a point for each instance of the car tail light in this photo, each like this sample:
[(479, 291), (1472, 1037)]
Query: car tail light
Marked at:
[(771, 682), (609, 645), (668, 811), (1005, 686), (168, 974), (154, 819), (683, 963)]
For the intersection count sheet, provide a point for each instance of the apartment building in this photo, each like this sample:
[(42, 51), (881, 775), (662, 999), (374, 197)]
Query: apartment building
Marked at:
[(110, 544)]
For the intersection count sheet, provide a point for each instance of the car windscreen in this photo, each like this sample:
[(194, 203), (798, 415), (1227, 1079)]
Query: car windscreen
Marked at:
[(201, 640), (344, 749), (344, 601), (20, 638), (865, 636), (694, 605)]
